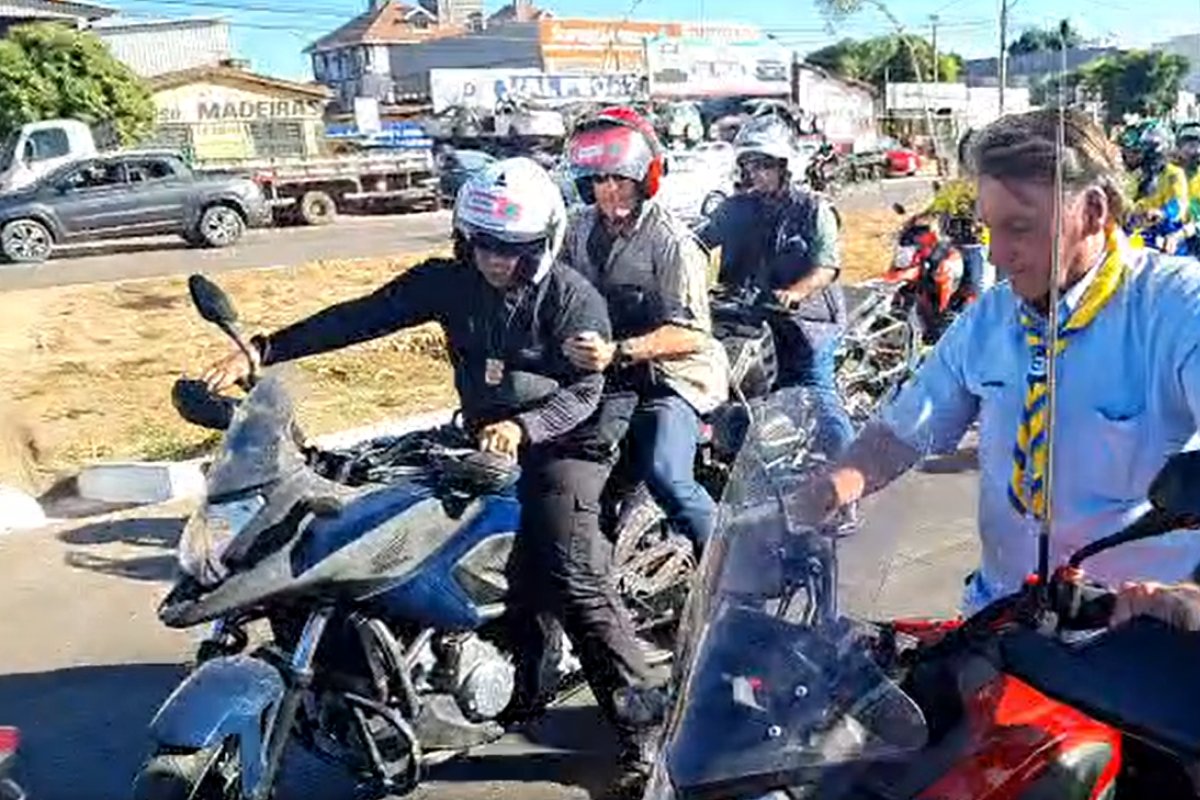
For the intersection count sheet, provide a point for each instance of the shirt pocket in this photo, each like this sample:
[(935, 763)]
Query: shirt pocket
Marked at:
[(997, 425), (1109, 452)]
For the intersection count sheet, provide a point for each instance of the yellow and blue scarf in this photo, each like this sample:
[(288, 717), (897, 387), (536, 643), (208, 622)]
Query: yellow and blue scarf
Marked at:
[(1027, 490)]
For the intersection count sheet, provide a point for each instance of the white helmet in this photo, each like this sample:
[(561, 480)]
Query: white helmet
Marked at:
[(514, 202), (766, 136)]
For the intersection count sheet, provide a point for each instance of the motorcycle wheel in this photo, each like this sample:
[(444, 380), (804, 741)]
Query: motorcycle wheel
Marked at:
[(193, 775), (652, 565)]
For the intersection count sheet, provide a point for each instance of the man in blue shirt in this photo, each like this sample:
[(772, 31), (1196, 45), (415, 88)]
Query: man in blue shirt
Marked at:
[(1127, 376)]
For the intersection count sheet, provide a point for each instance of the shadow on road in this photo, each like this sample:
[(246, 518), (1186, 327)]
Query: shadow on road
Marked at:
[(83, 738), (82, 728), (159, 533), (965, 460), (118, 248)]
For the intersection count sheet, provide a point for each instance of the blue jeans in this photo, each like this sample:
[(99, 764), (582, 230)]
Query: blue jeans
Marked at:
[(800, 365), (663, 436)]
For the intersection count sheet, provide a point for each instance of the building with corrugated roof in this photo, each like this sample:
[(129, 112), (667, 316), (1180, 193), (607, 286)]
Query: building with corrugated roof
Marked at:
[(155, 47)]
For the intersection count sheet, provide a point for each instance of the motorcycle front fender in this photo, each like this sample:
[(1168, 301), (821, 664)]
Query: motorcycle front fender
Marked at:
[(231, 696)]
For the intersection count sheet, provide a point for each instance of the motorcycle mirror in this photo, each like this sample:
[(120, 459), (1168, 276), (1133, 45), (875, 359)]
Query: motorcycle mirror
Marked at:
[(1173, 490), (211, 301), (899, 209)]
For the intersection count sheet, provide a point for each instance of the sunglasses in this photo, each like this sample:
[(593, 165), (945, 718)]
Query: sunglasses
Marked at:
[(601, 180), (759, 164), (505, 249)]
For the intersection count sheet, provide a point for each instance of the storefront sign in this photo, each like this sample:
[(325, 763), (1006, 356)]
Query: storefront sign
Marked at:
[(215, 103), (484, 88)]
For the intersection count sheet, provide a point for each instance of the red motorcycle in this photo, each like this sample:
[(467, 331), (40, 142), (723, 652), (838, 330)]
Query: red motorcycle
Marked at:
[(928, 271), (783, 694), (9, 788)]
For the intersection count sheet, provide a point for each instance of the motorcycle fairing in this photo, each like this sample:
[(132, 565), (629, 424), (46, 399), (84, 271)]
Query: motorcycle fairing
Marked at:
[(377, 543)]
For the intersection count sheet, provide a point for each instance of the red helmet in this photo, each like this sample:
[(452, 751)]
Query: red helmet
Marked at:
[(616, 141)]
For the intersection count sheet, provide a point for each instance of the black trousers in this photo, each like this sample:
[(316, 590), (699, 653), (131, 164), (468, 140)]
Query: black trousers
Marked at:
[(560, 568)]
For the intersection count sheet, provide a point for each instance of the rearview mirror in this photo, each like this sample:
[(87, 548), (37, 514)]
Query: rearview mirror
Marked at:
[(211, 301), (1176, 489), (899, 209)]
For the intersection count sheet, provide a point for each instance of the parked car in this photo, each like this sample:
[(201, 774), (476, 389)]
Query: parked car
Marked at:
[(455, 167), (123, 195), (901, 160), (695, 184)]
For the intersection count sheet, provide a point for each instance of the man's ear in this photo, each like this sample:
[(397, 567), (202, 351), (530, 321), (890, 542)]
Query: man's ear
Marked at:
[(1095, 211)]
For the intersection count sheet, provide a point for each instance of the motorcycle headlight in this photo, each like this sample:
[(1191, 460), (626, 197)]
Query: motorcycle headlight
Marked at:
[(208, 534), (904, 257)]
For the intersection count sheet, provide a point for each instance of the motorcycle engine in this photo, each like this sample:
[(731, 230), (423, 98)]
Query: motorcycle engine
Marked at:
[(474, 671)]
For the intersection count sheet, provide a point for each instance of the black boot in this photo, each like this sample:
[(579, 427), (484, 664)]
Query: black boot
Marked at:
[(635, 759)]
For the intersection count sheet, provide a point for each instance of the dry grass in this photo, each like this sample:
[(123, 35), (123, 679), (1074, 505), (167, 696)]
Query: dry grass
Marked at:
[(91, 374), (88, 370)]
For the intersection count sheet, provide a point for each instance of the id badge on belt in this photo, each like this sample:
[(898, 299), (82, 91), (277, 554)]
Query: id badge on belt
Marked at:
[(493, 372)]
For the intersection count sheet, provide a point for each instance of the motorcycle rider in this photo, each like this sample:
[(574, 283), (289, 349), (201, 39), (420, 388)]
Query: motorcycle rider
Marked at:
[(1188, 143), (664, 361), (1161, 196), (783, 240), (508, 308), (1130, 367)]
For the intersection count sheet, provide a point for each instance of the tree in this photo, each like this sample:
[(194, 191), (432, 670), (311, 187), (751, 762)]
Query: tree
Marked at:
[(886, 58), (1038, 40), (49, 70), (1144, 82)]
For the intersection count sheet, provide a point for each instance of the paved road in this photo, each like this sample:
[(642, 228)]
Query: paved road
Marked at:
[(86, 662), (351, 237)]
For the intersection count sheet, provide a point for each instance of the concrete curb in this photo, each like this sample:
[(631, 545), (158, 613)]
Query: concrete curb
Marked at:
[(152, 482), (19, 511)]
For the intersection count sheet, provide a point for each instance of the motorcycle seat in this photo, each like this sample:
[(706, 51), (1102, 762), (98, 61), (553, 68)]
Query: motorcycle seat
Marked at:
[(1139, 678)]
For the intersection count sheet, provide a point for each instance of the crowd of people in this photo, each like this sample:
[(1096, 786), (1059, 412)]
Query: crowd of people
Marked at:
[(575, 333)]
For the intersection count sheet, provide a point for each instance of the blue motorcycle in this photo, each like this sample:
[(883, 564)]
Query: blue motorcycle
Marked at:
[(381, 571)]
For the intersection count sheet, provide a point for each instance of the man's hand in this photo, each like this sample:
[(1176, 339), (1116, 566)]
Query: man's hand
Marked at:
[(502, 437), (815, 500), (590, 351), (787, 298), (1177, 605), (234, 367)]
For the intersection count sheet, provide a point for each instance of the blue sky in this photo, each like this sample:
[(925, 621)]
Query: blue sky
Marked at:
[(271, 33)]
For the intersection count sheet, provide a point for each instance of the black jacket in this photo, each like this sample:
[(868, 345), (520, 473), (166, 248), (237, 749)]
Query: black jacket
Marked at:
[(506, 348), (768, 244)]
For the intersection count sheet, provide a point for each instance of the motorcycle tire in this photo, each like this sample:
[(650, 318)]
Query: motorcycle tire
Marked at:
[(183, 776), (652, 565)]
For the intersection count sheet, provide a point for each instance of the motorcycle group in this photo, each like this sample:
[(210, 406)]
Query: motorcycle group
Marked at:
[(427, 592)]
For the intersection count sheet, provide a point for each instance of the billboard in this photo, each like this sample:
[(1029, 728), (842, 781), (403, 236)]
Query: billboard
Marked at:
[(570, 45), (484, 88), (683, 67)]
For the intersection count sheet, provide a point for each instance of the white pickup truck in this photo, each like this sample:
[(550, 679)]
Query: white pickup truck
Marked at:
[(305, 190), (38, 148)]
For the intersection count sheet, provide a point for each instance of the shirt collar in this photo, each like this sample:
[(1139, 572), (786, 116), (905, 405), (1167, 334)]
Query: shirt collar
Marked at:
[(1069, 299)]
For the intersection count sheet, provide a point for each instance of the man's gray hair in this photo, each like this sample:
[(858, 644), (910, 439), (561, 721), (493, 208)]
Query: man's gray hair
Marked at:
[(1022, 147)]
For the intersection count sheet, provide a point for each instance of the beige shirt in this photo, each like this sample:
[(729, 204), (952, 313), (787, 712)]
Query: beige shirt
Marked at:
[(661, 255)]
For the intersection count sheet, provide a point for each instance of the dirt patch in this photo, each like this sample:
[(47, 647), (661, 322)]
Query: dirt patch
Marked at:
[(88, 369), (89, 376)]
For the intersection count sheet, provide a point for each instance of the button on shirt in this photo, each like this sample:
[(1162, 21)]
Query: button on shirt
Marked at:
[(661, 256), (1127, 398)]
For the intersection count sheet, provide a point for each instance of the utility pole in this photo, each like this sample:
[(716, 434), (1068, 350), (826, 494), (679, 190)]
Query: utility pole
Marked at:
[(933, 18), (1003, 63)]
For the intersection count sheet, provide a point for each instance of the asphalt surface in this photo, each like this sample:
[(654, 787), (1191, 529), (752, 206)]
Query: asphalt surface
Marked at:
[(86, 661), (348, 237)]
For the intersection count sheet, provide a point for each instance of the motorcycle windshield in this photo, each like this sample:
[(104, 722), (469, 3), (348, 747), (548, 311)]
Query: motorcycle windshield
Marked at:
[(776, 687), (258, 448)]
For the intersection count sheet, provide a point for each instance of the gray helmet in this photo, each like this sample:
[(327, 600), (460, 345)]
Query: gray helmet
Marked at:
[(767, 136)]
